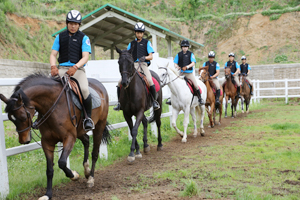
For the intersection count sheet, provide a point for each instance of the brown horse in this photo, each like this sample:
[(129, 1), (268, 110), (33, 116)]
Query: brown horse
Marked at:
[(40, 93), (211, 100), (245, 92), (230, 91)]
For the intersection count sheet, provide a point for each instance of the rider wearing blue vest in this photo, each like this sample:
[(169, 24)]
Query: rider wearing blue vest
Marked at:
[(143, 52), (214, 71), (185, 60), (74, 48), (245, 69), (235, 70)]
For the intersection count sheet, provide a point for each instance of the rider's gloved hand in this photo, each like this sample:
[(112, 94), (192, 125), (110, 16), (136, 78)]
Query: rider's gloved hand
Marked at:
[(54, 70), (142, 59), (72, 70)]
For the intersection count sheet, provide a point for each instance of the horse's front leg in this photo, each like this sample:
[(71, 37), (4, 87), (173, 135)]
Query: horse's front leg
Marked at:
[(85, 139), (175, 113), (145, 140), (185, 123), (247, 105), (242, 104), (48, 150), (210, 115), (134, 144), (68, 145), (202, 113), (226, 104), (220, 112), (192, 112)]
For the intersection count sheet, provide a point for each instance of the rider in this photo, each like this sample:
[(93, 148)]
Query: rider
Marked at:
[(214, 71), (74, 48), (143, 52), (185, 60), (235, 70), (245, 69)]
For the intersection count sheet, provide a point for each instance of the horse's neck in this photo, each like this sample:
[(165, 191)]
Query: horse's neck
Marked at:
[(207, 84), (176, 85), (43, 96)]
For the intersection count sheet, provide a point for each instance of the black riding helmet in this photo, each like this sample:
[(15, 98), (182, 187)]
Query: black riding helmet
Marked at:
[(185, 43), (74, 16), (139, 27)]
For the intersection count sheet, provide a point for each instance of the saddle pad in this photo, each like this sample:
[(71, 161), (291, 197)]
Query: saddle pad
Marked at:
[(157, 86), (224, 85), (191, 88), (215, 92), (96, 100)]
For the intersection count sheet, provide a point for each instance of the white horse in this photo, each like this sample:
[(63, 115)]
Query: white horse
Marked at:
[(181, 99)]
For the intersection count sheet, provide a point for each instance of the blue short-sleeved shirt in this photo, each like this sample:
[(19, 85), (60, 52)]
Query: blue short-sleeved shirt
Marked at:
[(86, 47), (217, 66), (236, 65), (149, 49), (193, 59)]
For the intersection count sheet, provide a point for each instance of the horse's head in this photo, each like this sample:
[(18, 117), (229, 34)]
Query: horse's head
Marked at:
[(227, 72), (126, 66), (204, 74), (241, 77), (164, 75), (20, 112)]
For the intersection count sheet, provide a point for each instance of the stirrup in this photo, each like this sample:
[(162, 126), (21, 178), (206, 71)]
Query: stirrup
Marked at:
[(117, 107), (88, 119), (201, 102), (158, 106)]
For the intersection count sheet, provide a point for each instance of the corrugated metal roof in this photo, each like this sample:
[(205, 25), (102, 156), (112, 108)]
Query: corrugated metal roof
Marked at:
[(123, 33)]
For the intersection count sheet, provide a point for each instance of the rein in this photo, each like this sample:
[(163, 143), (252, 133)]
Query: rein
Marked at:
[(168, 76)]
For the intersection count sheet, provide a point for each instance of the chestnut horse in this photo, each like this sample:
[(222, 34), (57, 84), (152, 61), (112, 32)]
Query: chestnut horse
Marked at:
[(230, 91), (47, 96), (245, 92), (211, 100)]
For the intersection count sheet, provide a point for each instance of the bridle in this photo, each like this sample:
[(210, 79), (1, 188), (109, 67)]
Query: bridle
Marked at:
[(28, 115), (167, 74), (206, 75), (131, 75)]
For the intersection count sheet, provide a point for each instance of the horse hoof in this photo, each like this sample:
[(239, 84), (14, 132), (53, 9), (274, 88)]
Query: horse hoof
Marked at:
[(195, 135), (225, 116), (159, 148), (87, 170), (219, 124), (138, 155), (202, 131), (202, 134), (147, 150), (180, 133), (247, 112), (90, 182), (243, 111), (183, 140), (209, 126), (45, 197), (76, 176), (130, 160)]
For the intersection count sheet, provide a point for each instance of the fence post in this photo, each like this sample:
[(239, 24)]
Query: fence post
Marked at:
[(286, 91), (258, 92), (59, 148), (254, 91), (129, 131), (153, 124), (4, 186)]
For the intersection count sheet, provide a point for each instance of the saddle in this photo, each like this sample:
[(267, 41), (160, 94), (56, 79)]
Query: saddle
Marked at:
[(214, 88), (77, 97), (190, 84), (144, 79)]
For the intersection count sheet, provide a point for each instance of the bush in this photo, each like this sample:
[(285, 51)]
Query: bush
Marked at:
[(191, 189), (281, 58), (275, 17)]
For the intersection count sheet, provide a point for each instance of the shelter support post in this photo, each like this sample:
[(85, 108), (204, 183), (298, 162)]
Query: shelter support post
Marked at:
[(112, 53), (154, 42), (93, 49)]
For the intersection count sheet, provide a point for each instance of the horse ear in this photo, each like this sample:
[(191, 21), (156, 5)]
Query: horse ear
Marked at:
[(131, 49), (20, 99), (167, 65), (3, 98), (118, 50)]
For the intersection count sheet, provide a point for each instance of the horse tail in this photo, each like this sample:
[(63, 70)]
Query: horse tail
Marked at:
[(106, 136), (198, 111)]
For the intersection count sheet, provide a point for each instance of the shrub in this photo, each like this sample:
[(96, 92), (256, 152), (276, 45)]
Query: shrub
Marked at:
[(281, 58)]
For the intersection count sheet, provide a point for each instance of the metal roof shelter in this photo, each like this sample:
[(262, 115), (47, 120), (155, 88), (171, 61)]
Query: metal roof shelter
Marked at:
[(109, 26)]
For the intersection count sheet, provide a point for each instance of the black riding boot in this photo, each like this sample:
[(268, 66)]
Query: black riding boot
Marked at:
[(168, 101), (251, 92), (88, 122), (200, 100), (118, 106), (217, 98), (153, 93), (238, 91)]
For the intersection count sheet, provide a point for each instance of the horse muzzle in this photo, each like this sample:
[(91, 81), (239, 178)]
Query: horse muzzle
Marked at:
[(25, 137)]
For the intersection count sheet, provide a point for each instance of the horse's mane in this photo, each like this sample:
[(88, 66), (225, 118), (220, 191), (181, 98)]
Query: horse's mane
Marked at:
[(174, 71), (31, 80)]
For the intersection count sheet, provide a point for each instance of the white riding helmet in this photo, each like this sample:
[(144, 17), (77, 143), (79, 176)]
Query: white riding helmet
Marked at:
[(139, 27), (231, 54), (73, 16), (211, 54), (243, 58)]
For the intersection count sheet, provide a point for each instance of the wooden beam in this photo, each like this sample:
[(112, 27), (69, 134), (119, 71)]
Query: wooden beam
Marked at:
[(106, 33), (119, 41)]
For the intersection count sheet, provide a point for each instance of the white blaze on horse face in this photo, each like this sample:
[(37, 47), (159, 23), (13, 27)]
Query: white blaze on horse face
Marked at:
[(13, 117)]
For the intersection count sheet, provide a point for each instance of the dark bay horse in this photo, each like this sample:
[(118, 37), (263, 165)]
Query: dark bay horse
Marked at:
[(231, 92), (134, 101), (211, 100), (40, 93), (245, 93)]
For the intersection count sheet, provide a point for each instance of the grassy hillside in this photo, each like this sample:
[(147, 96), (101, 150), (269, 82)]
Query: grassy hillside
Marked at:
[(206, 21)]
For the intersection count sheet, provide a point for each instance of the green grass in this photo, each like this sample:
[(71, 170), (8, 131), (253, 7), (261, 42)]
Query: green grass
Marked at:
[(191, 189), (256, 166)]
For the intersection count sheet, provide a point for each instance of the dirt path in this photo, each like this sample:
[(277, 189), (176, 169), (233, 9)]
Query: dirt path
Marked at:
[(119, 179)]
